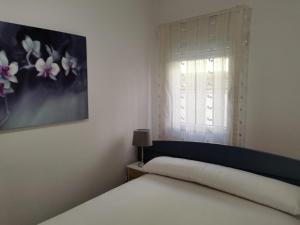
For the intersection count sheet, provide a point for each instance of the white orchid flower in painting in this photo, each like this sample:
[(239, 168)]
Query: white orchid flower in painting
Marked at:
[(69, 63), (48, 68), (52, 52), (8, 71), (5, 88), (31, 46)]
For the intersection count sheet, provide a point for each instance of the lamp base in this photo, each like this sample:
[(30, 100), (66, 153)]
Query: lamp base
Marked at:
[(141, 164)]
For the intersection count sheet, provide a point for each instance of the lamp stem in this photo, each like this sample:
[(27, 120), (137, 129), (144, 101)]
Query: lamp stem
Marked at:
[(141, 163)]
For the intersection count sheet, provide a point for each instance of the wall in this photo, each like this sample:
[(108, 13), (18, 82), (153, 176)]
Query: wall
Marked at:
[(273, 123), (273, 101), (44, 171)]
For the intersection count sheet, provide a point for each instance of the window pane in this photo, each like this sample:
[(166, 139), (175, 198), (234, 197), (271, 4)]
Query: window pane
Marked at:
[(199, 91)]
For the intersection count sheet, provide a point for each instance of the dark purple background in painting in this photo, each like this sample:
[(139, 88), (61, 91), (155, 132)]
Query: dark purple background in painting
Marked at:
[(40, 100)]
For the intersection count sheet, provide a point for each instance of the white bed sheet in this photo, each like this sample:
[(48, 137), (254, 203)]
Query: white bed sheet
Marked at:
[(158, 200)]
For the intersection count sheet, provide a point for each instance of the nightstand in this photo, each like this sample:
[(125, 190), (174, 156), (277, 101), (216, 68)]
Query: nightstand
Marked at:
[(134, 171)]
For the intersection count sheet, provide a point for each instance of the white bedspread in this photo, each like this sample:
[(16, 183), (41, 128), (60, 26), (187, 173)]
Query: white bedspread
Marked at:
[(158, 200)]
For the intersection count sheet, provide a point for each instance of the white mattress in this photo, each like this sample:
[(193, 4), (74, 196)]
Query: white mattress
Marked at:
[(158, 200)]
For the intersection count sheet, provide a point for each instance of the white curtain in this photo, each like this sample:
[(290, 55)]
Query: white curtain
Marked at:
[(203, 69)]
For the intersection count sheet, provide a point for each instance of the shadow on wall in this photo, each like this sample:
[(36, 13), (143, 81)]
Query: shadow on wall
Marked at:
[(108, 168)]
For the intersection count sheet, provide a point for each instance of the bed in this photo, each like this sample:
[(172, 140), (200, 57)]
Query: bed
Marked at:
[(186, 190)]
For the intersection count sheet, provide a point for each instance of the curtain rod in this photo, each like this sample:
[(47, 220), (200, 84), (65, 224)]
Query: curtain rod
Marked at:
[(238, 7)]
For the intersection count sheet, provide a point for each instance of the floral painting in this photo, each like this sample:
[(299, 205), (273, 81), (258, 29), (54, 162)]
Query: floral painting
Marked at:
[(43, 77)]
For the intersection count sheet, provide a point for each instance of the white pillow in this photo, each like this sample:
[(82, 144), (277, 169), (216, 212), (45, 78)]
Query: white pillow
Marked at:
[(270, 192)]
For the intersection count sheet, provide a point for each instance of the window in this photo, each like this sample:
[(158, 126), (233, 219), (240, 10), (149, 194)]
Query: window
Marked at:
[(203, 67), (193, 99), (198, 92)]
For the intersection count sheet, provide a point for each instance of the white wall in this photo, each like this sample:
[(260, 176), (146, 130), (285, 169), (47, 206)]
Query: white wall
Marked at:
[(273, 123), (44, 171), (273, 99)]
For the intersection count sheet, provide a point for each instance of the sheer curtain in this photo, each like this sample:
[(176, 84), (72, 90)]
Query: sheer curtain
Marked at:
[(203, 68)]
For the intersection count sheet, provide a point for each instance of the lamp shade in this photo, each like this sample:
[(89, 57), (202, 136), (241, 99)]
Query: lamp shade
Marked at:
[(142, 138)]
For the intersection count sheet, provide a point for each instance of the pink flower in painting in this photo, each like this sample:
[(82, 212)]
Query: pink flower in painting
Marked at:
[(8, 71), (47, 69), (69, 63), (5, 88), (31, 46), (52, 52)]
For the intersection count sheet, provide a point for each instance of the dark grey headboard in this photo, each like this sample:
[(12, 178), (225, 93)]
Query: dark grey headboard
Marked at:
[(269, 165)]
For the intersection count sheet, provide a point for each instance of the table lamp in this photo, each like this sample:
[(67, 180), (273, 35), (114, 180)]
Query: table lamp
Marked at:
[(142, 138)]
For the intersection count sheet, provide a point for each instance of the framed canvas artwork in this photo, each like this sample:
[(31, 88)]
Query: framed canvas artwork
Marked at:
[(43, 77)]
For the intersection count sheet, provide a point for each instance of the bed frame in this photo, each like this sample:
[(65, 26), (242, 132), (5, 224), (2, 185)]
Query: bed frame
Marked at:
[(269, 165)]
